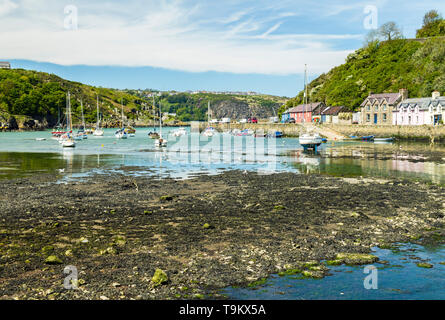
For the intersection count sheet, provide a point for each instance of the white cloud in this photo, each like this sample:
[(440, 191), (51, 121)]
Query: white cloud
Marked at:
[(167, 34), (7, 6)]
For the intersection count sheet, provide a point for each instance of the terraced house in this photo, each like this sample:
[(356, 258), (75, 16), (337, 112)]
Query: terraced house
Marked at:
[(420, 111), (377, 109)]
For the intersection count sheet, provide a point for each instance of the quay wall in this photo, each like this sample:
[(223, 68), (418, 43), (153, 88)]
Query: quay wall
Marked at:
[(419, 133)]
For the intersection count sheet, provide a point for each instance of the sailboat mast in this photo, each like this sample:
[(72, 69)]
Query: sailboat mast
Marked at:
[(208, 115), (97, 103), (83, 118), (160, 121)]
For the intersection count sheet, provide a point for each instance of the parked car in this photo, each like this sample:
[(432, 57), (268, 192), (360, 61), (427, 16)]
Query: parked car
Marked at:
[(243, 121), (252, 120), (290, 120)]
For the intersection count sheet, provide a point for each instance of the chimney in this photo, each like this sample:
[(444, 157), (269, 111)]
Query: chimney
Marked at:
[(404, 93), (436, 94)]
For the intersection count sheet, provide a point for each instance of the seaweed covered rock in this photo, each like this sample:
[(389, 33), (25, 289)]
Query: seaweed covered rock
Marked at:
[(356, 258), (159, 278)]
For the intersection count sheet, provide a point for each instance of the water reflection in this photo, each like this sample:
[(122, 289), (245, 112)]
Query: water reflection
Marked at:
[(193, 154)]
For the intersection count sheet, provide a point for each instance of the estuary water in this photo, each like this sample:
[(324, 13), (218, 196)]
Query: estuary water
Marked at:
[(22, 155), (398, 279)]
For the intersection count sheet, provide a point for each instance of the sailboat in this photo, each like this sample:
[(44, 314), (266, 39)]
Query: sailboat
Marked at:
[(58, 130), (154, 134), (98, 132), (209, 131), (81, 134), (67, 140), (308, 140), (121, 133), (160, 142)]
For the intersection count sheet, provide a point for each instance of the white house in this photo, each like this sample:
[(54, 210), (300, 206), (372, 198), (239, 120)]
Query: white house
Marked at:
[(420, 111), (5, 65)]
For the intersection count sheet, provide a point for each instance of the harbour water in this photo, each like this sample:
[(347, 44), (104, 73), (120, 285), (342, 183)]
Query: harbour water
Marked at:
[(399, 278), (21, 155)]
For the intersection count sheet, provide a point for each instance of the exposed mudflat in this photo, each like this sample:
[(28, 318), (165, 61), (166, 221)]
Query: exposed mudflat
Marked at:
[(206, 234)]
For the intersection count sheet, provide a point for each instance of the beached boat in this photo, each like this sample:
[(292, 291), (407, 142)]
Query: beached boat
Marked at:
[(277, 134), (308, 140), (367, 138), (383, 140)]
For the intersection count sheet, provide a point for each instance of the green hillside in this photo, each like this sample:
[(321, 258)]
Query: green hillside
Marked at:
[(39, 95), (385, 66), (381, 67)]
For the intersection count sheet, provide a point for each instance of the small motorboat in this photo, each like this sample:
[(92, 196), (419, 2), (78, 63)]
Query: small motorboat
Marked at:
[(209, 132), (367, 138), (40, 139), (98, 132), (153, 135), (383, 140), (260, 134), (121, 134), (277, 134), (179, 132)]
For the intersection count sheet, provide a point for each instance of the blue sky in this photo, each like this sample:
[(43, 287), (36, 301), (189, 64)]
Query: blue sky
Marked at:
[(249, 45)]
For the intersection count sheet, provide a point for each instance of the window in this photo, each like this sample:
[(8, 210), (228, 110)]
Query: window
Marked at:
[(368, 108), (384, 117), (409, 120), (376, 108), (385, 107), (368, 117)]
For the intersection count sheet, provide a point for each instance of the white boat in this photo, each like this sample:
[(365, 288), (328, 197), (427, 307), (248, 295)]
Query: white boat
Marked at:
[(160, 142), (68, 143), (209, 131), (67, 140), (309, 140), (98, 132), (383, 140), (179, 132), (81, 134), (121, 133)]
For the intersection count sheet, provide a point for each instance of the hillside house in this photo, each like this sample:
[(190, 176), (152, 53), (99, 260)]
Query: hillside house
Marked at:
[(420, 111), (377, 109), (305, 112), (5, 65)]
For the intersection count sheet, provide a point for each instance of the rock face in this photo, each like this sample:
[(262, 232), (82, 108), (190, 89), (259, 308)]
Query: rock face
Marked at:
[(237, 109)]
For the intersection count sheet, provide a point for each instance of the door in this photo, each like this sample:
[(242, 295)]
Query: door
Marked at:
[(375, 119)]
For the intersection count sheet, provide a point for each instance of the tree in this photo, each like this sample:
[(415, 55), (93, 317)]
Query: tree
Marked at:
[(433, 25), (387, 32), (431, 17), (390, 31)]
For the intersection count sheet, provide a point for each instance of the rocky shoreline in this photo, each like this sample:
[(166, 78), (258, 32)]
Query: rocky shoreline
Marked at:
[(145, 238)]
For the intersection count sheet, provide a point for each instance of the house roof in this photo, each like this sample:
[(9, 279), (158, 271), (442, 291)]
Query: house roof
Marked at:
[(306, 107), (422, 103), (332, 111), (391, 98)]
